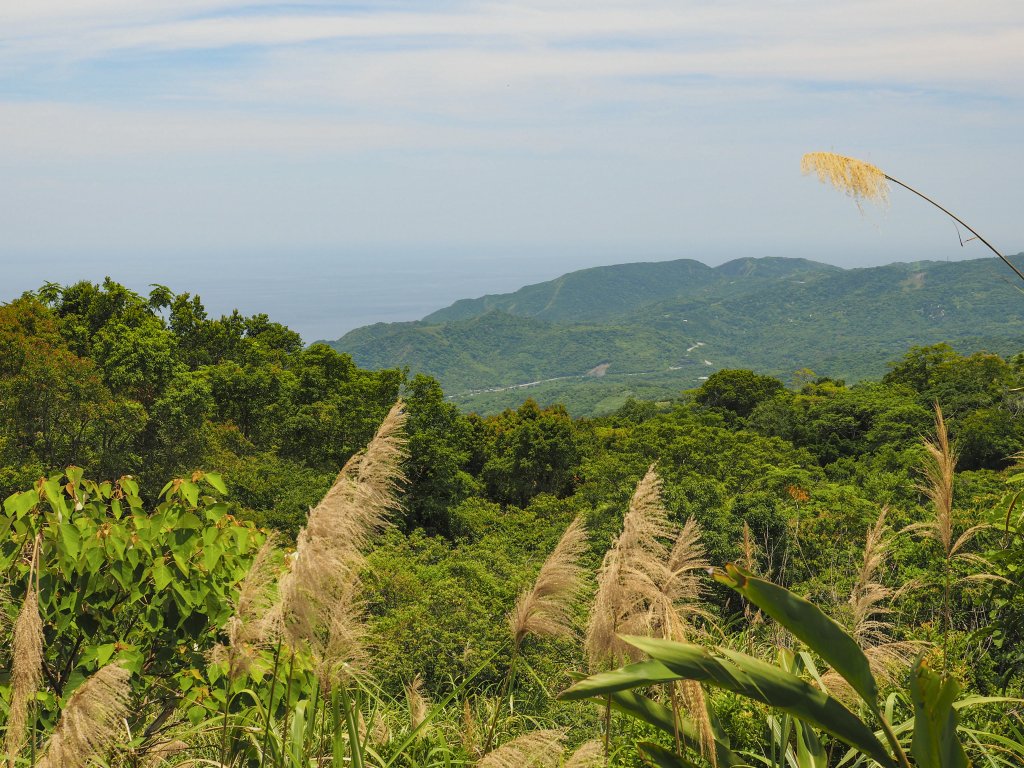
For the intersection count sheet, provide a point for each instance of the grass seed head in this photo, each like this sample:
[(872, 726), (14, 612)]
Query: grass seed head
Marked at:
[(859, 180), (546, 608), (91, 721), (26, 669)]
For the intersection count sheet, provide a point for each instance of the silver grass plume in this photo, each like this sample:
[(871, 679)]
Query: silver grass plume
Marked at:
[(159, 754), (590, 754), (318, 604), (536, 749), (377, 732), (469, 734), (251, 627), (869, 609), (26, 669), (626, 573), (89, 725), (546, 608), (675, 601), (938, 470), (418, 703)]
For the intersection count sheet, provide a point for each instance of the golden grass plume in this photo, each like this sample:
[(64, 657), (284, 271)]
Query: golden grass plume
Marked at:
[(91, 720), (317, 592), (590, 754), (536, 749), (938, 470), (546, 608), (869, 607), (252, 626), (859, 180), (26, 669), (417, 702), (627, 572)]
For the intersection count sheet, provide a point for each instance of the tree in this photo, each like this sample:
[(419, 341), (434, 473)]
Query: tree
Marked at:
[(738, 391), (438, 452), (535, 451)]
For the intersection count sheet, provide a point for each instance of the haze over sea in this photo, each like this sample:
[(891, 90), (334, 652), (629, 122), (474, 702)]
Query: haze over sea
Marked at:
[(322, 295)]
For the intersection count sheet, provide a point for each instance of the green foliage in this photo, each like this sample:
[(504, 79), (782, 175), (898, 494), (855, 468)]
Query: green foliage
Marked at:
[(737, 391), (122, 583), (654, 329)]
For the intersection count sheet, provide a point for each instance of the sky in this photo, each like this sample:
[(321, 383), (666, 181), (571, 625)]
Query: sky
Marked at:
[(337, 163)]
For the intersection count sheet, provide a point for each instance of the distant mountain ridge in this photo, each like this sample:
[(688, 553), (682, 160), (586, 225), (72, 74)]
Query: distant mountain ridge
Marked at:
[(602, 292), (595, 336)]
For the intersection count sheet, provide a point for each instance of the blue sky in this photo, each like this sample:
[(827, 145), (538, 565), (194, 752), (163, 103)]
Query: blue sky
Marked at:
[(562, 133)]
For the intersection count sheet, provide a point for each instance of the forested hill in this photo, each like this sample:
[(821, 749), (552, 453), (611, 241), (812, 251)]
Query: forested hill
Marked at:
[(601, 293), (593, 338)]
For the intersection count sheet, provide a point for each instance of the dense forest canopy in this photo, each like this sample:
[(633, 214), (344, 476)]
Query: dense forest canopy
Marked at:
[(106, 396)]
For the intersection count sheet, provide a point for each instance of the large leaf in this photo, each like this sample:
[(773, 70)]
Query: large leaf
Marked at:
[(809, 751), (765, 683), (625, 678), (661, 757), (806, 621), (935, 744), (660, 716)]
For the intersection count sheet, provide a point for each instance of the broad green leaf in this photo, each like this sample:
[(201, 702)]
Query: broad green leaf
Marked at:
[(210, 557), (631, 676), (161, 576), (935, 743), (807, 622), (661, 757), (767, 684), (191, 492), (20, 503), (660, 716), (215, 480), (809, 751), (55, 496), (182, 562), (130, 486)]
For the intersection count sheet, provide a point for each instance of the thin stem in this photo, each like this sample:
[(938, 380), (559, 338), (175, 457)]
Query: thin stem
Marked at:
[(947, 619), (506, 685), (607, 726), (287, 706), (674, 696), (894, 742), (960, 221), (351, 719), (307, 744), (224, 725), (270, 703)]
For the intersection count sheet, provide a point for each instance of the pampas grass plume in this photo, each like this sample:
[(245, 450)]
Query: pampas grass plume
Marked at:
[(26, 669), (545, 609), (859, 180), (317, 593), (590, 754), (536, 749), (627, 571), (89, 725), (419, 704)]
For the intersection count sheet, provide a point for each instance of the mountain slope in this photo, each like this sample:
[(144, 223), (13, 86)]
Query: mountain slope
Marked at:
[(772, 315), (602, 293)]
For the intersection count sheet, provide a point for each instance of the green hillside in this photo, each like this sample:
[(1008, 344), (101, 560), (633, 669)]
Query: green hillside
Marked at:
[(601, 293), (772, 315)]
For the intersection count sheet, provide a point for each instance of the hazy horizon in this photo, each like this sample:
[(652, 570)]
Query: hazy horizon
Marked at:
[(323, 296), (142, 138)]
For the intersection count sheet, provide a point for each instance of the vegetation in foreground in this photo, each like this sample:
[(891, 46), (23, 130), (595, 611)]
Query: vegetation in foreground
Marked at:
[(223, 625)]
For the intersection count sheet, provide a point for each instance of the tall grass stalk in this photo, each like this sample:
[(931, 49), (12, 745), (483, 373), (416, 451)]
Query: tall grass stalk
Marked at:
[(27, 664), (863, 181)]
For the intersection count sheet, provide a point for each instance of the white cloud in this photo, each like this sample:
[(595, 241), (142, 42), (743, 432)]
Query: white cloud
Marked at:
[(597, 120)]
